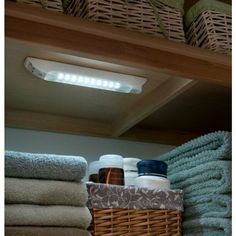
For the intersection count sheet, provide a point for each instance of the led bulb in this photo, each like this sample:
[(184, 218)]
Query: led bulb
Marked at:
[(117, 85), (80, 79), (67, 77), (99, 82), (110, 85), (60, 76), (104, 83), (86, 80), (93, 81), (73, 78)]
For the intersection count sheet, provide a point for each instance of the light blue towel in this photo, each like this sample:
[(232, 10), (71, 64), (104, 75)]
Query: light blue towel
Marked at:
[(209, 205), (44, 166), (202, 168), (210, 147), (207, 226), (210, 178)]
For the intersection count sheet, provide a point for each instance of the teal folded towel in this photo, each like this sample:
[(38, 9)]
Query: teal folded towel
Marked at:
[(44, 166), (210, 178), (202, 169), (210, 147), (207, 226), (209, 205)]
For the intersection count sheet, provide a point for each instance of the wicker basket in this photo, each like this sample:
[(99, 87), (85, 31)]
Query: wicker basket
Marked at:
[(53, 5), (211, 30), (76, 8), (134, 211), (148, 16), (130, 222)]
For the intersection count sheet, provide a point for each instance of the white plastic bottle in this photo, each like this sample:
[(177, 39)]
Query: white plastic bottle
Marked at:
[(130, 170)]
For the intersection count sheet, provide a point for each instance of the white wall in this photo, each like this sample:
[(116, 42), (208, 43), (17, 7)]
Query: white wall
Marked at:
[(88, 147)]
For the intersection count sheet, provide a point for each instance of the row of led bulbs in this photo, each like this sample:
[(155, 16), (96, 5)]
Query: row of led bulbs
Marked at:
[(87, 80)]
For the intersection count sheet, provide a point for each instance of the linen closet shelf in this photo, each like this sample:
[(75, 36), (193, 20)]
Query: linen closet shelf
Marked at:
[(188, 92)]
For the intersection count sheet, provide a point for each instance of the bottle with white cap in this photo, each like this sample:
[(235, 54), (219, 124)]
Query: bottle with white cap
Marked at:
[(111, 169), (130, 170), (94, 167)]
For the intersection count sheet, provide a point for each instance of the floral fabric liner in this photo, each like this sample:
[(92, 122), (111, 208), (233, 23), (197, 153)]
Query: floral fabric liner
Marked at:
[(131, 197)]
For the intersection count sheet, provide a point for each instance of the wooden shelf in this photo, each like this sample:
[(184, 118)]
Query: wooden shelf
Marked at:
[(171, 69), (103, 42)]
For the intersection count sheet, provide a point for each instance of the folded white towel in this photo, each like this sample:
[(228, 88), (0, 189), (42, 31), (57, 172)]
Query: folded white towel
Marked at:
[(34, 215), (44, 231), (45, 192)]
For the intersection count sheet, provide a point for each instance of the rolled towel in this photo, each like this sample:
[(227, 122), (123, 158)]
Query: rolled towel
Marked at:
[(34, 215), (209, 205), (44, 231), (211, 147), (207, 226), (44, 166), (45, 192), (209, 178)]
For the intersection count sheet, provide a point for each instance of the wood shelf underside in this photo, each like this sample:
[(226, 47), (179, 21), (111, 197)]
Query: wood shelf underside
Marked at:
[(182, 64)]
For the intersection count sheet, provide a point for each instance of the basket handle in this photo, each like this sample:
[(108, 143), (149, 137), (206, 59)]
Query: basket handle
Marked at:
[(154, 3), (43, 3)]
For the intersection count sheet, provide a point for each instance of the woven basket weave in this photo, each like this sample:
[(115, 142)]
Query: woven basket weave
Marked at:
[(148, 16), (77, 8), (133, 222), (53, 5), (211, 30)]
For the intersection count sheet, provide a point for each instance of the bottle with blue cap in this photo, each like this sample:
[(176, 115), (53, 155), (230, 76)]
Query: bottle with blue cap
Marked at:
[(152, 174)]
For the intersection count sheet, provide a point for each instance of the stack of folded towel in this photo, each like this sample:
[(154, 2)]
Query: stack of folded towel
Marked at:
[(202, 168), (45, 195)]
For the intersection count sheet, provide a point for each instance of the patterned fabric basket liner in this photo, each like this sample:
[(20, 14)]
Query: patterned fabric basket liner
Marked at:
[(148, 16), (53, 5), (132, 211), (211, 30)]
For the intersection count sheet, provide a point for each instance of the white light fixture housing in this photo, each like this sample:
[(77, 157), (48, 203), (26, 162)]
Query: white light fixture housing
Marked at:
[(82, 76)]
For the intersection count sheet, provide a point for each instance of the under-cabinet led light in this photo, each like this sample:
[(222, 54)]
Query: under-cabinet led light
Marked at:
[(82, 76)]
